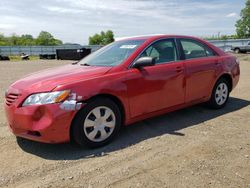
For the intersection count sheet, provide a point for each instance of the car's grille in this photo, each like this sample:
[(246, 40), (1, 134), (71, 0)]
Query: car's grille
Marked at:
[(11, 98)]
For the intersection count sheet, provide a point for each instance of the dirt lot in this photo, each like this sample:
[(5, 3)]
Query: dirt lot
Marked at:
[(193, 147)]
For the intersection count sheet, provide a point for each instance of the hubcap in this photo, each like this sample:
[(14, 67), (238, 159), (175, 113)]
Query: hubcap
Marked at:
[(99, 124), (221, 93)]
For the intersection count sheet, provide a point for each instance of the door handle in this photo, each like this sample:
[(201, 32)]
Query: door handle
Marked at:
[(217, 63), (179, 69)]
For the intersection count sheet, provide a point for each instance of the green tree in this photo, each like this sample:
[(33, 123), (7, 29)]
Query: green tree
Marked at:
[(45, 38), (13, 40), (224, 37), (26, 40), (103, 38), (243, 24), (3, 40)]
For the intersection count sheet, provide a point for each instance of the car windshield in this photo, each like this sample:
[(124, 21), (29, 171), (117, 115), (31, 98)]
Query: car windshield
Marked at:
[(112, 54)]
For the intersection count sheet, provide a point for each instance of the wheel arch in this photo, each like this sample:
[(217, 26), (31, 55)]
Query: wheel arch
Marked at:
[(237, 48), (228, 78), (115, 99)]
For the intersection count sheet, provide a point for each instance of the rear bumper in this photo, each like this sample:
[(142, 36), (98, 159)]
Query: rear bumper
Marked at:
[(43, 123), (235, 76)]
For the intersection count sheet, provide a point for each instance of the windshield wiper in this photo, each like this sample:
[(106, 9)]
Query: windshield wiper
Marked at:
[(74, 63), (85, 64)]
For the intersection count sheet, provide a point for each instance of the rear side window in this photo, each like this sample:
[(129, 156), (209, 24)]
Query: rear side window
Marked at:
[(163, 51), (194, 49)]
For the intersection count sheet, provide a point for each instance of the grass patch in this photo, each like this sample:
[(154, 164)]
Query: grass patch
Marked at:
[(243, 57), (18, 58)]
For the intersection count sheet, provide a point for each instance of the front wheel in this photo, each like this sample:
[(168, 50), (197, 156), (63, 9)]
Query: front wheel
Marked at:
[(97, 123), (220, 94)]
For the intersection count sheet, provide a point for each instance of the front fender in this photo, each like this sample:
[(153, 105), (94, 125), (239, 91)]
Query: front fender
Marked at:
[(111, 84)]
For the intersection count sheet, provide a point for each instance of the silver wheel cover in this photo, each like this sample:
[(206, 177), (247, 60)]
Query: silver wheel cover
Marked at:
[(99, 124), (221, 93)]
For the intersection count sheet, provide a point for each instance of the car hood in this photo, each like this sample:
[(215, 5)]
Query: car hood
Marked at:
[(47, 80)]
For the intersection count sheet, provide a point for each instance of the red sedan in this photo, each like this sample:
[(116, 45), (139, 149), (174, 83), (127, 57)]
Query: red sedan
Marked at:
[(124, 82)]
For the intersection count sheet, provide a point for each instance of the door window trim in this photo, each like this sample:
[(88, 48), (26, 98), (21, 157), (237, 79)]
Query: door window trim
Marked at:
[(206, 47), (178, 54)]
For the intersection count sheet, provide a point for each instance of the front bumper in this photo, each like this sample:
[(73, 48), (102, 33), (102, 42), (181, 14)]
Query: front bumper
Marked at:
[(44, 123)]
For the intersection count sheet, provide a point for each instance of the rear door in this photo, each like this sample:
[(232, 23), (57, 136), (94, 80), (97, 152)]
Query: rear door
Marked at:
[(202, 65)]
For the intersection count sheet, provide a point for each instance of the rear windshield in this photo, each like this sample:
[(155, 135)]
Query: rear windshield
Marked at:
[(112, 54)]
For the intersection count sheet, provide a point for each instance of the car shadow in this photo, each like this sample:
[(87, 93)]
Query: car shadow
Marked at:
[(171, 123)]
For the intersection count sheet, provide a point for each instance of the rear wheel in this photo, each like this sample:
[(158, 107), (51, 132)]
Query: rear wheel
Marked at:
[(220, 94), (97, 123), (237, 50)]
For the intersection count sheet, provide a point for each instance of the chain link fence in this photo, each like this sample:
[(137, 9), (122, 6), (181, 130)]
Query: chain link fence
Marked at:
[(225, 45), (40, 50)]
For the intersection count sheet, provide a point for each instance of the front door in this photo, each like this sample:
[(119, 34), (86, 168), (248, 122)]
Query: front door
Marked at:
[(156, 87)]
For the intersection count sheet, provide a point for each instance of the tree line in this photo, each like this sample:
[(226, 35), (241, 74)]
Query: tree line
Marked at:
[(43, 39), (243, 24), (102, 39), (46, 39)]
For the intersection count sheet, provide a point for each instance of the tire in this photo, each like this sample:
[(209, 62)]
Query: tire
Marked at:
[(220, 94), (237, 50), (91, 128)]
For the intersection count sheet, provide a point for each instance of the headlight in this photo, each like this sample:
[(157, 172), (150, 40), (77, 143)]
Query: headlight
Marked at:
[(46, 98)]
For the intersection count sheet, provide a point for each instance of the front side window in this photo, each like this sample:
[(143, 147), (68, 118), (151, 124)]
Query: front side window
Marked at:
[(113, 54), (163, 51), (193, 49)]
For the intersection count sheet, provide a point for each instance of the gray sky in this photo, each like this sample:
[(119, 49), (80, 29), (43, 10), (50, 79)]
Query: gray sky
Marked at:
[(75, 20)]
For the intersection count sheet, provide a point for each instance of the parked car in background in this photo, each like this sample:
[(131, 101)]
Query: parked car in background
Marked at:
[(121, 83), (241, 48), (4, 58)]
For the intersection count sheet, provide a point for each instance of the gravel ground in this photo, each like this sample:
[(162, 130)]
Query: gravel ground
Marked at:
[(193, 147)]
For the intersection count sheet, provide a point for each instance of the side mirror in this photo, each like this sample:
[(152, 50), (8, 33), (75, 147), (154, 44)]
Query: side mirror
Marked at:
[(144, 62)]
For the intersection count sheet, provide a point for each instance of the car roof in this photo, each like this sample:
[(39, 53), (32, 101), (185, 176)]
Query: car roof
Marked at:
[(155, 36)]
